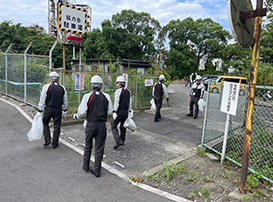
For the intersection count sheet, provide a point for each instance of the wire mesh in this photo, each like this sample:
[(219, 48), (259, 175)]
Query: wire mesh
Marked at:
[(2, 73), (15, 75), (261, 150), (37, 69), (37, 76), (140, 93)]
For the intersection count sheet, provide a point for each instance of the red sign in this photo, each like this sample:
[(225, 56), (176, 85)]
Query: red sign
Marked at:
[(74, 38)]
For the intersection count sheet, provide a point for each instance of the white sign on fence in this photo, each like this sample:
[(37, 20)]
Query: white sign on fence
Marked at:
[(230, 98), (149, 82), (79, 81)]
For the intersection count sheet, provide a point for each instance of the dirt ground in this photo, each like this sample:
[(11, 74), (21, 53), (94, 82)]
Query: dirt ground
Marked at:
[(204, 179)]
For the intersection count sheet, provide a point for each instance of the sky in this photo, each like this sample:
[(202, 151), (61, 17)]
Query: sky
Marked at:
[(28, 12)]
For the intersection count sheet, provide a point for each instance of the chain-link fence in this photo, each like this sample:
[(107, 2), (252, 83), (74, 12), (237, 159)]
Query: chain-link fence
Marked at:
[(22, 76), (140, 93), (261, 150)]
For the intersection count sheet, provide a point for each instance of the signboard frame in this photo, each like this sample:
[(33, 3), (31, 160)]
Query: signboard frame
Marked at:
[(79, 20)]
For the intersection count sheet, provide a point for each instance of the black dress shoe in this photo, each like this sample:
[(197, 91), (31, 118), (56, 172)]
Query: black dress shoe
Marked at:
[(46, 144), (96, 174), (189, 114), (157, 120), (116, 146), (122, 143), (195, 117), (86, 169), (54, 146)]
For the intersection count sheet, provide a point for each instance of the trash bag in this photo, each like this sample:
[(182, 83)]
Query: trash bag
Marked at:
[(153, 107), (130, 124), (36, 131), (201, 105)]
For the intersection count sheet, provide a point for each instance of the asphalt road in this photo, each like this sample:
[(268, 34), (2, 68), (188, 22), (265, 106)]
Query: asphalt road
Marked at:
[(175, 136), (30, 172), (175, 124)]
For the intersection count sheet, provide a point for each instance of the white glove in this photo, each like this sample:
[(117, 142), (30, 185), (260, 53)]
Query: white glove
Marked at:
[(75, 116), (115, 115), (131, 114), (64, 112)]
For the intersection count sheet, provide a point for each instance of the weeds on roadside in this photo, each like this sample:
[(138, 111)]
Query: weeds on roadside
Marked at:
[(192, 176), (168, 172), (205, 192), (253, 181), (201, 151), (212, 176), (226, 175), (137, 179), (194, 193), (245, 198)]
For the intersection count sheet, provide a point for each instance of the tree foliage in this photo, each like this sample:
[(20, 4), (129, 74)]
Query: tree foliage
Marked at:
[(128, 35), (21, 37), (201, 37), (137, 35), (267, 40)]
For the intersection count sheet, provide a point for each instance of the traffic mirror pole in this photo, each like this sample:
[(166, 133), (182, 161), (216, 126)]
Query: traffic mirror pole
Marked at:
[(251, 97)]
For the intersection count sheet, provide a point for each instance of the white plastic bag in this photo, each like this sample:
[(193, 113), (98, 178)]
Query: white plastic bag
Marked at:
[(130, 124), (36, 131), (84, 123), (153, 107), (201, 105)]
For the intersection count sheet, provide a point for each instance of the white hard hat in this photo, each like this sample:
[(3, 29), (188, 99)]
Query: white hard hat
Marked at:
[(198, 78), (96, 79), (161, 77), (54, 75), (120, 79)]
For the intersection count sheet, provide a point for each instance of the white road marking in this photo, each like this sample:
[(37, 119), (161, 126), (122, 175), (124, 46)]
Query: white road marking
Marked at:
[(108, 167)]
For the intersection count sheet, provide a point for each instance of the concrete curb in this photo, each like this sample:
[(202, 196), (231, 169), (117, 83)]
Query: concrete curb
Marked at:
[(108, 167)]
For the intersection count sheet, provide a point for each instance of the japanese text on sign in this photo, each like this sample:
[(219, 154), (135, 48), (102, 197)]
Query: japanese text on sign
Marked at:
[(72, 19), (79, 81), (230, 98)]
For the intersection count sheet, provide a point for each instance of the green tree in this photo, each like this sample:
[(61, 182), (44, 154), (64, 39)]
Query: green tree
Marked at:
[(237, 57), (138, 31), (181, 62), (201, 37), (269, 5), (267, 40)]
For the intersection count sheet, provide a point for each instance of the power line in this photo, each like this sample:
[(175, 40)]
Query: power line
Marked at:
[(100, 8)]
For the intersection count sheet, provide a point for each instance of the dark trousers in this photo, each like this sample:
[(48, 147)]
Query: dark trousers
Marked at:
[(95, 130), (189, 82), (122, 116), (194, 101), (158, 104), (56, 114)]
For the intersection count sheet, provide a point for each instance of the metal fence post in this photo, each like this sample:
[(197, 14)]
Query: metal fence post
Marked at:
[(80, 69), (50, 55), (136, 94), (6, 67), (25, 72)]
